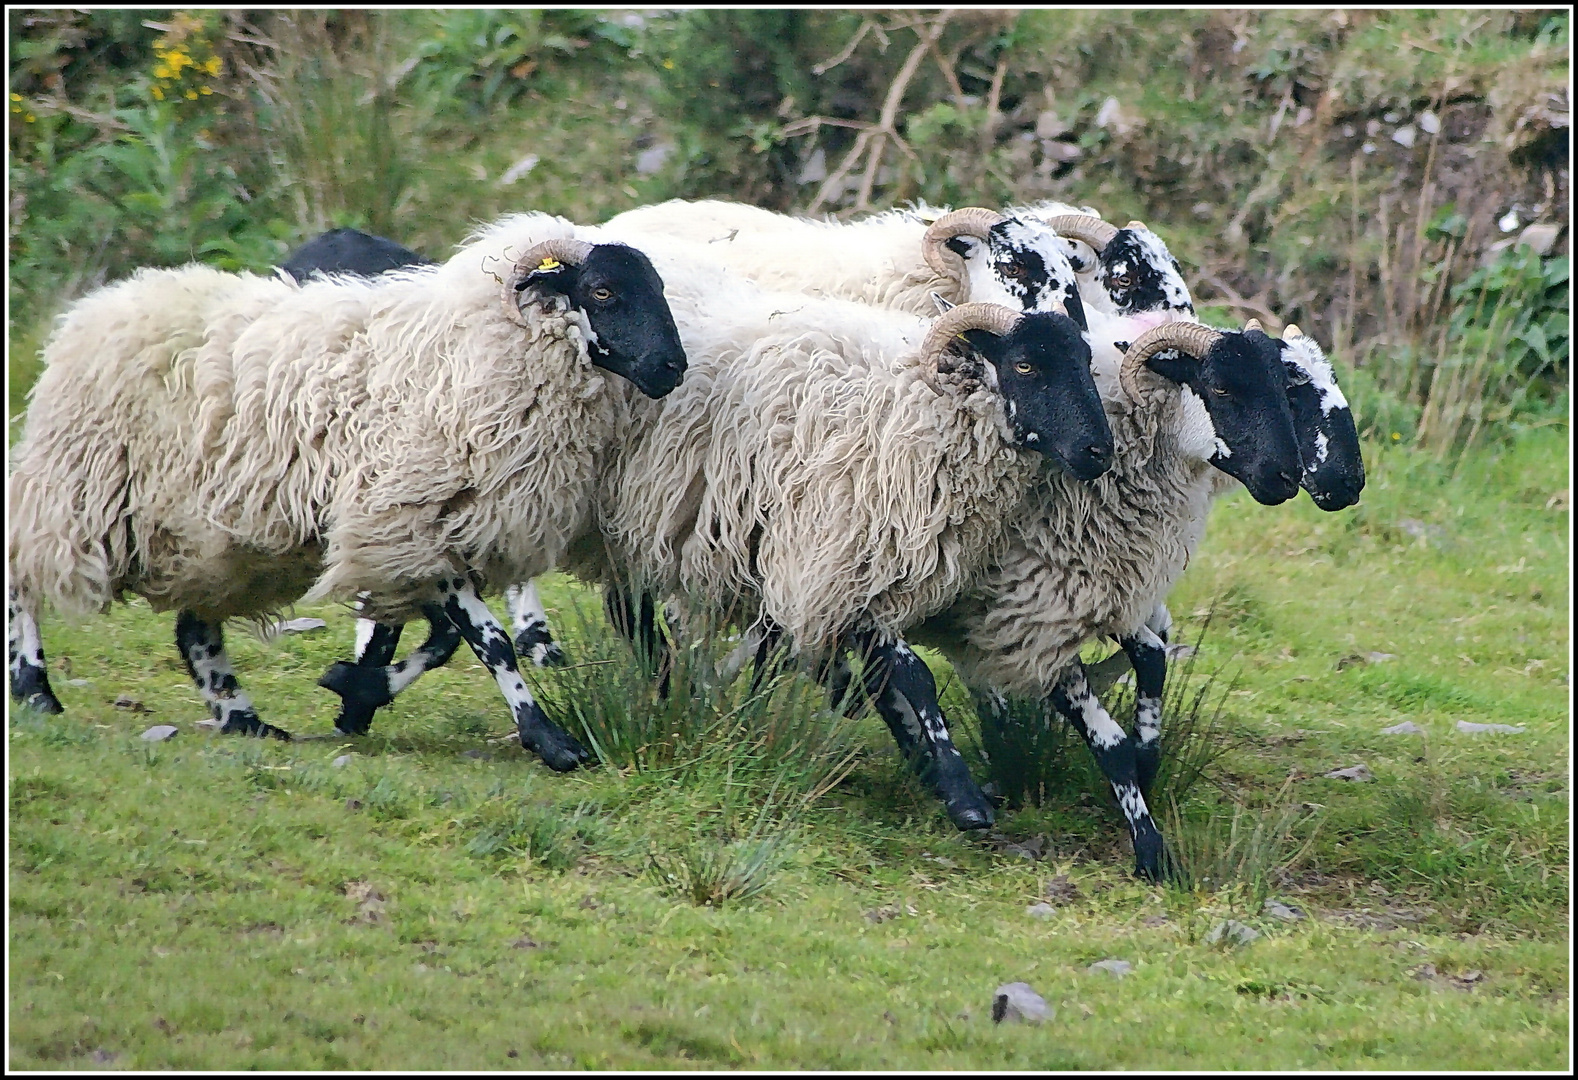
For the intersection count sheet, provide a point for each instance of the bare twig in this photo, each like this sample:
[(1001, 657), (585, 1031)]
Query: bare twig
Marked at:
[(1230, 297), (866, 26), (994, 99), (873, 142)]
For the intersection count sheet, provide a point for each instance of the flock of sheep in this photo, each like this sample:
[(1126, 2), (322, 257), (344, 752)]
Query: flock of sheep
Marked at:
[(994, 433)]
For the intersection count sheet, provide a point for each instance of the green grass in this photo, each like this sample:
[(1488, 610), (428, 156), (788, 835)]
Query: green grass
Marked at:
[(444, 901)]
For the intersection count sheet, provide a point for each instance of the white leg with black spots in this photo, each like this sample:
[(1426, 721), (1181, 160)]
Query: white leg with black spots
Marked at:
[(492, 645), (29, 674), (529, 624), (202, 646)]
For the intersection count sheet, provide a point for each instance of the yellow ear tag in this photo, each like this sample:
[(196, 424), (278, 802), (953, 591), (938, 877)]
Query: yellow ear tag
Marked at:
[(550, 263)]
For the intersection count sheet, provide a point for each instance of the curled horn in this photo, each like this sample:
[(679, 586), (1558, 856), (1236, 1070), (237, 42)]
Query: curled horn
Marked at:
[(563, 249), (1291, 330), (1195, 339), (1137, 225), (1092, 230), (1254, 324), (970, 221), (995, 318)]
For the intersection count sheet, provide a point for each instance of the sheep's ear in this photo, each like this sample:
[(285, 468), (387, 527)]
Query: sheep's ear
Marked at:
[(1175, 364), (962, 246), (942, 302), (549, 285)]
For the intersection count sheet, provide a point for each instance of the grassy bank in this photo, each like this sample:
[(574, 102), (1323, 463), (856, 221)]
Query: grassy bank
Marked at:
[(443, 901)]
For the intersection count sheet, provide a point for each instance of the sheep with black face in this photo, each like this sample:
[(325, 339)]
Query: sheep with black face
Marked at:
[(221, 444)]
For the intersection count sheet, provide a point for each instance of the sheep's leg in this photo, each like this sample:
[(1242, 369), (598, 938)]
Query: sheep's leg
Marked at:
[(491, 642), (1114, 753), (202, 646), (1148, 654), (368, 685), (29, 675), (639, 627), (1104, 673), (905, 696), (529, 620), (376, 643)]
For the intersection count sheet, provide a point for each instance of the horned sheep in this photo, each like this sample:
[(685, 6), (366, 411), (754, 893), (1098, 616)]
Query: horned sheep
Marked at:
[(221, 443)]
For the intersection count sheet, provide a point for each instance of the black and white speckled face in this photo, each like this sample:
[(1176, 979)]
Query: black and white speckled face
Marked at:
[(1022, 266), (1328, 440), (1141, 275)]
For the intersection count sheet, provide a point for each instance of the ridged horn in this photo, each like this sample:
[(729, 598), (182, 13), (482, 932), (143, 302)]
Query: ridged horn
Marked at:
[(1137, 225), (995, 318), (1291, 330), (1254, 324), (563, 249), (1093, 231), (1193, 338), (974, 221)]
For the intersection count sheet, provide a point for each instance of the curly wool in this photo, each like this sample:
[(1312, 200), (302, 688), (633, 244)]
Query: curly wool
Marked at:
[(805, 472), (876, 260), (378, 436), (1083, 560)]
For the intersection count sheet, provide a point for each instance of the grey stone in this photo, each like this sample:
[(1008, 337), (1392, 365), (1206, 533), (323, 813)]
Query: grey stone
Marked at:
[(1541, 236), (298, 626), (1056, 150), (1040, 911), (159, 732), (1429, 122), (341, 761), (1353, 772), (815, 169), (1232, 932), (1049, 125), (1278, 910), (1017, 1003), (1407, 727), (1406, 136), (651, 160), (1112, 967), (1499, 729)]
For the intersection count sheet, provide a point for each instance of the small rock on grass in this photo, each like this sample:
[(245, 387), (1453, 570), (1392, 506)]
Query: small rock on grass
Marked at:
[(1499, 729), (1407, 727), (1353, 772), (1232, 932), (1040, 911), (159, 732), (1112, 967), (341, 761), (296, 626), (1017, 1003), (1278, 910)]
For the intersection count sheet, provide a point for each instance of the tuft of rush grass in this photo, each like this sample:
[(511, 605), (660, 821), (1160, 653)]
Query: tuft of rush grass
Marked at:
[(440, 899)]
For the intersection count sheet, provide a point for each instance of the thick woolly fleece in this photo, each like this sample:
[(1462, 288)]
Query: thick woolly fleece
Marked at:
[(876, 260), (805, 473), (1085, 560), (218, 443)]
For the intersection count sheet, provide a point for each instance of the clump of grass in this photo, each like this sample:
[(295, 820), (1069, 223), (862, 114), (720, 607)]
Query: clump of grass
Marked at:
[(540, 835), (713, 869), (1035, 759), (1235, 851), (778, 734)]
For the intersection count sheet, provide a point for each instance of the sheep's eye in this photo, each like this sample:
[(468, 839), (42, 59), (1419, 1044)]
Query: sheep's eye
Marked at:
[(1123, 281), (1024, 367), (1012, 269), (1218, 391), (602, 294)]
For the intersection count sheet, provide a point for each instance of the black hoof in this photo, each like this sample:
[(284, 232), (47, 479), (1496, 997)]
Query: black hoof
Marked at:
[(246, 722), (363, 689), (42, 701), (1148, 855), (558, 748), (967, 805)]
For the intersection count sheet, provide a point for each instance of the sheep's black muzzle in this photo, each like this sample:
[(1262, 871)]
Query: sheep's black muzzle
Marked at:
[(657, 379)]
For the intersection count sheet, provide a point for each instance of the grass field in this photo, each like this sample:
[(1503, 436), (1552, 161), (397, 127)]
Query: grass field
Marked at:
[(441, 900)]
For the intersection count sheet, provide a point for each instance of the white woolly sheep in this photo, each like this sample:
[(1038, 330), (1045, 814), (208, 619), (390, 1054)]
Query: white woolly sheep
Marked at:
[(821, 472), (416, 438)]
